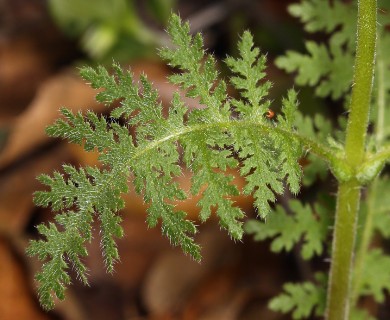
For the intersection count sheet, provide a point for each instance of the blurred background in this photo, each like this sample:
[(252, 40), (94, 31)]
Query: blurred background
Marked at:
[(42, 45)]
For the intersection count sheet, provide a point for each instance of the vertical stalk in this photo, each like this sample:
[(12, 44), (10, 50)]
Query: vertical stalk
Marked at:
[(362, 83), (342, 251), (348, 197), (368, 230), (364, 244), (381, 100)]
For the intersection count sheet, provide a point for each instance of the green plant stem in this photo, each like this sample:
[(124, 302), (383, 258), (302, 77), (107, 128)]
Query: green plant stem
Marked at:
[(380, 157), (362, 83), (320, 150), (381, 101), (348, 197), (342, 252), (364, 244), (368, 230)]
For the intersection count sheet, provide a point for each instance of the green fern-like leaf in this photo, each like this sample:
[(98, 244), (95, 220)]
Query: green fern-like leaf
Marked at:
[(319, 128), (224, 134), (92, 192), (337, 18), (286, 230), (376, 275), (302, 299), (359, 314), (249, 70), (324, 67)]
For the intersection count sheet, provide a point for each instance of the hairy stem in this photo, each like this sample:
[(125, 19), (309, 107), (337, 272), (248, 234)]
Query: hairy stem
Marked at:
[(343, 246), (362, 83), (316, 148), (348, 197), (364, 244), (380, 157), (381, 101), (368, 229)]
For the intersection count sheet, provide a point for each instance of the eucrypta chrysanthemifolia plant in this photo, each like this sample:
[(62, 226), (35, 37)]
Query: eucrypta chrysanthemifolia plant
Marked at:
[(237, 132)]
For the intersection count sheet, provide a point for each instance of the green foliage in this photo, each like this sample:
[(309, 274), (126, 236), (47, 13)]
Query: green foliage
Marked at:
[(330, 70), (337, 18), (89, 191), (321, 129), (327, 66), (211, 141), (359, 314), (150, 148), (301, 299), (376, 275), (110, 28), (286, 230)]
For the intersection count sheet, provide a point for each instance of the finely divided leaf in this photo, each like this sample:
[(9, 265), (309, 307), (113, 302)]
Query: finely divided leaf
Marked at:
[(227, 133), (319, 15), (325, 65), (311, 226), (302, 299), (250, 71), (360, 314), (329, 70), (199, 74), (266, 162), (376, 275)]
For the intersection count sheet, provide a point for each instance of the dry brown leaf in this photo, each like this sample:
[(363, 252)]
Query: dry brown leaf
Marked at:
[(212, 296), (174, 276), (138, 251), (28, 131), (17, 187), (227, 306), (22, 69), (15, 296)]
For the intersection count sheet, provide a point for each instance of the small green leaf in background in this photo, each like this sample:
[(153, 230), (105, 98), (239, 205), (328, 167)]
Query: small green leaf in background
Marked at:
[(161, 9), (302, 299), (304, 224), (110, 29), (376, 275)]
